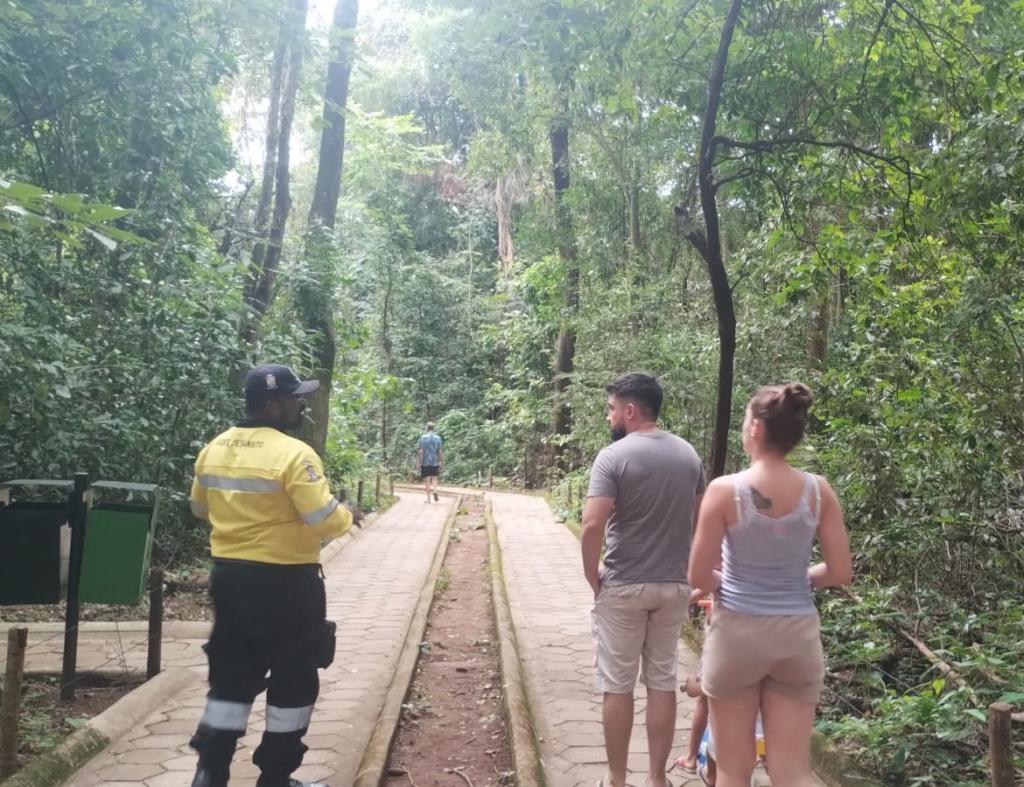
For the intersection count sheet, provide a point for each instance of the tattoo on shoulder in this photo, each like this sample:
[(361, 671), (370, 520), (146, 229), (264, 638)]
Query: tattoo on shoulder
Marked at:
[(760, 501)]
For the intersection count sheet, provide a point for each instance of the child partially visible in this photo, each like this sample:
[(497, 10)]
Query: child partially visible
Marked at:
[(700, 756), (691, 761)]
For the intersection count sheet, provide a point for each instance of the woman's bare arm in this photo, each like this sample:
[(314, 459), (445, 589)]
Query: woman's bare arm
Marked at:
[(836, 568)]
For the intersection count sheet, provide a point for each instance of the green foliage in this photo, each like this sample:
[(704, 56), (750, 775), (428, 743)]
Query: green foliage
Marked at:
[(874, 246), (873, 232), (117, 350), (889, 706)]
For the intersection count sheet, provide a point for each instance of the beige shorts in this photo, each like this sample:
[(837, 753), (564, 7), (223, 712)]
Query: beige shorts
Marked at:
[(634, 621), (743, 653)]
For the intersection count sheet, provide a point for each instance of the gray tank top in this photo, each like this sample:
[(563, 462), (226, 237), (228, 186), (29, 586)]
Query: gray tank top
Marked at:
[(765, 559)]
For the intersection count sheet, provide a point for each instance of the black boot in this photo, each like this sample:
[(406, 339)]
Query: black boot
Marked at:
[(204, 779)]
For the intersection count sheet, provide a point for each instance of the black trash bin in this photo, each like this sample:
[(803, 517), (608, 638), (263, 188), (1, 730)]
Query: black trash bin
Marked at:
[(34, 545)]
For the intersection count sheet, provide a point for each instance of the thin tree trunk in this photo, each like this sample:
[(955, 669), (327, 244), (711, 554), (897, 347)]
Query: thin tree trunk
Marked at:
[(262, 216), (710, 247), (564, 363), (327, 190), (817, 337), (503, 209), (318, 313), (634, 215), (267, 257), (389, 365), (228, 238), (637, 277)]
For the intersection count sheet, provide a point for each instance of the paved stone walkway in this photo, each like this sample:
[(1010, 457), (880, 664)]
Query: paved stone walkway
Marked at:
[(550, 603), (373, 586)]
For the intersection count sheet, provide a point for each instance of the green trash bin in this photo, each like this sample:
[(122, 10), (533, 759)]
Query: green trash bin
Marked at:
[(34, 545), (118, 546)]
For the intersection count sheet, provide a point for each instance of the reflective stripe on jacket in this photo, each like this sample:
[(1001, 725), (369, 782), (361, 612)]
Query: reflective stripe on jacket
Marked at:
[(265, 496)]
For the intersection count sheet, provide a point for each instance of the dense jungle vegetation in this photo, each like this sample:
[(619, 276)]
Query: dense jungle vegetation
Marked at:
[(479, 212)]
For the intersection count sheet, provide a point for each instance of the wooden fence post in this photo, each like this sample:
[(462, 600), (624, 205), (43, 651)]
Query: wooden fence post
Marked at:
[(10, 707), (1000, 745), (359, 493), (156, 623), (376, 491)]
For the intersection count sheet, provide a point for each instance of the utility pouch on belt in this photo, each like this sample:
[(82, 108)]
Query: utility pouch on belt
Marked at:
[(326, 644)]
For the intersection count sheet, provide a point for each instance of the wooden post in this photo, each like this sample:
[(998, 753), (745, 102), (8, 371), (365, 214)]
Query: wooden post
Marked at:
[(376, 491), (10, 707), (1000, 745), (359, 493), (78, 508), (156, 623), (490, 476)]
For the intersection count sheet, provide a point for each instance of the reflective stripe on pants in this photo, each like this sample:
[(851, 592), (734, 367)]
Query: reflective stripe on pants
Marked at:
[(266, 619)]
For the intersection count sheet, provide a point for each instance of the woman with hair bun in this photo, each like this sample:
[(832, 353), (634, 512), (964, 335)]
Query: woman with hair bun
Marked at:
[(762, 651)]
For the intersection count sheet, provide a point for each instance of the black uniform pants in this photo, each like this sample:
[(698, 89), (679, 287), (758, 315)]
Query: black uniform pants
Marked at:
[(267, 619)]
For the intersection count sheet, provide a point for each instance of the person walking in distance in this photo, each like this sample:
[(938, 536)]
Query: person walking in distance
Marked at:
[(269, 506), (430, 459), (763, 647), (645, 489)]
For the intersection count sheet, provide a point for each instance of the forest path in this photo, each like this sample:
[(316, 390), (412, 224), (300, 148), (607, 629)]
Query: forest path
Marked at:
[(373, 587)]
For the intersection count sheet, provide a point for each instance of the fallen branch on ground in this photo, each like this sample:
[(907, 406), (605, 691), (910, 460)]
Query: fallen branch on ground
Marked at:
[(465, 778)]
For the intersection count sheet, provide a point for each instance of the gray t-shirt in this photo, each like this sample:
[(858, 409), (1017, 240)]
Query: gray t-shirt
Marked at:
[(654, 478)]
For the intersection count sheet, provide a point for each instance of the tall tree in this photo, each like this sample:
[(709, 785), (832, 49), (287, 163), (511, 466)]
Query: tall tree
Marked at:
[(316, 297), (564, 360), (709, 244), (261, 219), (284, 85)]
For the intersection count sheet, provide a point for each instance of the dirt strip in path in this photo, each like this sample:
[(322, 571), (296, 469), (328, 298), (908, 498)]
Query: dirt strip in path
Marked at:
[(453, 730)]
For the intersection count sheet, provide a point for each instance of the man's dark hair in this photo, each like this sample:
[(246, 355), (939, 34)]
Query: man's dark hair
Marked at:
[(639, 388)]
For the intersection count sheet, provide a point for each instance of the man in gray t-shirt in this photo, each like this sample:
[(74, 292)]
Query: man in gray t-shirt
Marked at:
[(645, 490)]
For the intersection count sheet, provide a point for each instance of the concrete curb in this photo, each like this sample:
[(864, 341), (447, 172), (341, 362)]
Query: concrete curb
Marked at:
[(522, 731), (835, 768), (375, 757), (173, 629), (55, 766)]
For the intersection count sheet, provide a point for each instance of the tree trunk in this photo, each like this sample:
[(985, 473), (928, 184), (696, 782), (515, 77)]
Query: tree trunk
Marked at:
[(318, 306), (817, 337), (637, 277), (327, 190), (710, 247), (559, 138), (503, 209), (262, 216), (387, 347), (634, 215), (267, 255)]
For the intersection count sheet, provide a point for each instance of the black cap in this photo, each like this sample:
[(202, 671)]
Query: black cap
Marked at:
[(273, 378)]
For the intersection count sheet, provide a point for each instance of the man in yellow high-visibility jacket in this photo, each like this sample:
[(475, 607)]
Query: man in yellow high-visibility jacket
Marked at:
[(269, 507)]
